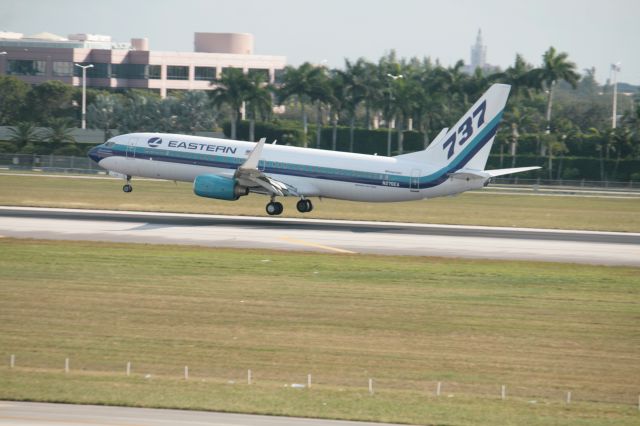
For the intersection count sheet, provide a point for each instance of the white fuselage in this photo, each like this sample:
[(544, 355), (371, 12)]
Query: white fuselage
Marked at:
[(313, 172)]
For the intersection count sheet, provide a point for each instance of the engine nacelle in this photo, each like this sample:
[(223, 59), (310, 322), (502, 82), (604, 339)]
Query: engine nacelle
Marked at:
[(219, 187)]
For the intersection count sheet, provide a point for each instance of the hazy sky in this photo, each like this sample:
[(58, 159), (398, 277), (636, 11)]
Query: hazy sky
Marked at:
[(593, 32)]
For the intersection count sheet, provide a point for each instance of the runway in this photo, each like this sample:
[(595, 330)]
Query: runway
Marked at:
[(607, 248), (41, 414)]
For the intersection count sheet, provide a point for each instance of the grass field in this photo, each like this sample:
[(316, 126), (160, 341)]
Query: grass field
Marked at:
[(475, 208), (541, 329)]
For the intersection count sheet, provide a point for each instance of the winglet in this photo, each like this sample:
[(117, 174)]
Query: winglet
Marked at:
[(254, 156)]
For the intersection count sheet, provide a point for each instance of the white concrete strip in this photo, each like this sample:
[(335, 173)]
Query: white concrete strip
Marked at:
[(266, 219), (42, 414), (260, 233)]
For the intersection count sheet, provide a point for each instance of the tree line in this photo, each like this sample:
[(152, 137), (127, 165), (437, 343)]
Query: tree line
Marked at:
[(554, 112)]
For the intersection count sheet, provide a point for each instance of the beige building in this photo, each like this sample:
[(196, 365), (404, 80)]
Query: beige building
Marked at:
[(44, 56)]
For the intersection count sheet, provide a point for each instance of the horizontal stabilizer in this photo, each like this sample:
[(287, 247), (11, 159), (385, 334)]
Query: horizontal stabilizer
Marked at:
[(470, 174), (500, 172)]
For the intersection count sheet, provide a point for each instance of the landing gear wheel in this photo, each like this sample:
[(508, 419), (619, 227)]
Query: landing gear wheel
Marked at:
[(127, 188), (304, 206), (274, 208)]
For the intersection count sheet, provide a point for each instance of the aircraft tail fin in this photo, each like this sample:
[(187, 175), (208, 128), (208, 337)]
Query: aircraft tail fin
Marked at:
[(468, 143)]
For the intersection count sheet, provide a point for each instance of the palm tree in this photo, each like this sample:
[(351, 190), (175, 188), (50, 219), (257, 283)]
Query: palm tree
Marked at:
[(354, 92), (555, 146), (404, 90), (258, 98), (555, 67), (520, 119), (164, 113), (23, 134), (457, 81), (336, 103), (373, 88), (623, 139), (430, 101), (389, 70), (102, 114), (194, 112), (604, 143), (522, 77), (321, 93), (59, 133), (137, 113), (299, 83), (232, 87)]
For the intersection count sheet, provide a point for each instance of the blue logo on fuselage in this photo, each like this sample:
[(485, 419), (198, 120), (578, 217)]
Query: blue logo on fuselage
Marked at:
[(154, 142)]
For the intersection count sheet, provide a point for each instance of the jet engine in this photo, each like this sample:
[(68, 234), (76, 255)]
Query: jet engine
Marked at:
[(219, 187)]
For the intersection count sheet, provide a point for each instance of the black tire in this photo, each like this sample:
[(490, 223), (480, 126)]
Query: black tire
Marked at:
[(275, 208), (127, 188), (309, 205), (302, 206), (271, 209)]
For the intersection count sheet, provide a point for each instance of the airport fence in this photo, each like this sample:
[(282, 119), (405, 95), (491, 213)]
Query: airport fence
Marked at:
[(626, 395), (70, 164), (49, 163), (568, 183)]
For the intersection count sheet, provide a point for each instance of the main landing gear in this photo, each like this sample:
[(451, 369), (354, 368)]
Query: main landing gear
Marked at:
[(304, 206), (127, 187), (275, 208)]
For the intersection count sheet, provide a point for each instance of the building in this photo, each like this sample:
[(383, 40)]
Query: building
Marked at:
[(479, 58), (44, 56), (478, 53)]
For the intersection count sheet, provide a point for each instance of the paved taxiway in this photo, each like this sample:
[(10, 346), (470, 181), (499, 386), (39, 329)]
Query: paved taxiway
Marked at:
[(40, 414), (609, 248)]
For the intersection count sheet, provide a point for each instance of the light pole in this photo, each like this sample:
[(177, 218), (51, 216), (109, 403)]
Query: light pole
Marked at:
[(4, 69), (616, 69), (389, 124), (84, 93)]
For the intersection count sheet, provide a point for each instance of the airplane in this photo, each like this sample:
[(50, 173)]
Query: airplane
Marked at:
[(454, 162)]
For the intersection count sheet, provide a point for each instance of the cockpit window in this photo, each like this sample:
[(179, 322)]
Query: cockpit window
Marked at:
[(109, 144)]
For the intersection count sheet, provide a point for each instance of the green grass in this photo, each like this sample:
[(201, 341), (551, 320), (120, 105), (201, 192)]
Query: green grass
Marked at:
[(407, 406), (475, 208), (541, 329)]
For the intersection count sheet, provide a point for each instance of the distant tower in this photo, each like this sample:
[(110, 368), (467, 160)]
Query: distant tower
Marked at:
[(478, 53)]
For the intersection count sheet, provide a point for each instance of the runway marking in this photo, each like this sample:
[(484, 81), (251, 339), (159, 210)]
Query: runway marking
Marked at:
[(310, 244)]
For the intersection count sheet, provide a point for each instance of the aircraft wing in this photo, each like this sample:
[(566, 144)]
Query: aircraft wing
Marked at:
[(248, 174)]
